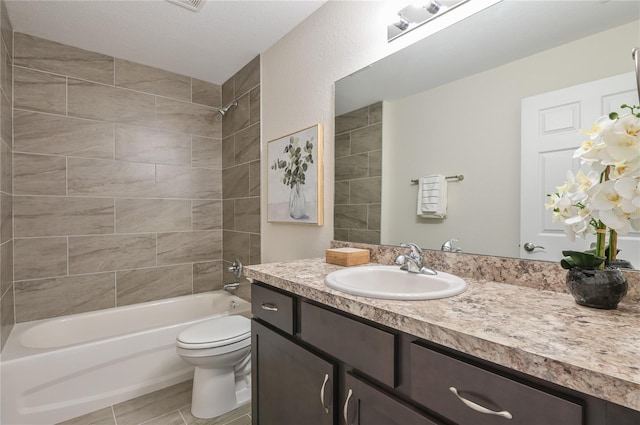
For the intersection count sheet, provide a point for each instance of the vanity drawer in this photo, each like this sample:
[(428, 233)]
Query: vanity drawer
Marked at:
[(434, 375), (272, 307), (370, 350)]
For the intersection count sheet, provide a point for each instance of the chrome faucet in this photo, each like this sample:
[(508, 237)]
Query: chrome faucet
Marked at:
[(413, 263), (451, 246)]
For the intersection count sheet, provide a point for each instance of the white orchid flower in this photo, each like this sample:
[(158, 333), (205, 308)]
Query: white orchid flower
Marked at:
[(623, 138), (629, 189)]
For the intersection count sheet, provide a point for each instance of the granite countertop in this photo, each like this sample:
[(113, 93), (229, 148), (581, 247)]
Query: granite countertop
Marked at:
[(538, 332)]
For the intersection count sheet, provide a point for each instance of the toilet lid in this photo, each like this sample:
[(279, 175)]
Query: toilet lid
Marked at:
[(216, 332)]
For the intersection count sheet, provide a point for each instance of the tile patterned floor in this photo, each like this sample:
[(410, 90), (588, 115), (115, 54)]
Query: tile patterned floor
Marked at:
[(169, 406)]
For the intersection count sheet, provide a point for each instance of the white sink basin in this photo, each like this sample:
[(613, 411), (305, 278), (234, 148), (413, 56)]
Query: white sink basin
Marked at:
[(391, 283)]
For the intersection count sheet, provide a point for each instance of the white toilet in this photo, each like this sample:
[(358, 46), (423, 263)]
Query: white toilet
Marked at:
[(220, 350)]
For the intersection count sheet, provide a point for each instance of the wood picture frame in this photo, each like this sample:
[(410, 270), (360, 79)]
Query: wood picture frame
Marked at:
[(295, 186)]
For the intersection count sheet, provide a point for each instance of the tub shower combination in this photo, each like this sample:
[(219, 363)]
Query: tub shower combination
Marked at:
[(60, 368)]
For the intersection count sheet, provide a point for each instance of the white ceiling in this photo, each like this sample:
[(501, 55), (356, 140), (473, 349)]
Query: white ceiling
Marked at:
[(210, 45)]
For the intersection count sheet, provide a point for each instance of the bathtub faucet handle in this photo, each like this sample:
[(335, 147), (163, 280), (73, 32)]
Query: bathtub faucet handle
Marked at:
[(231, 286), (236, 268)]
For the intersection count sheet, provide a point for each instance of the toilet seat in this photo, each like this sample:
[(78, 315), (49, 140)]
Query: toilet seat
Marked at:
[(217, 332)]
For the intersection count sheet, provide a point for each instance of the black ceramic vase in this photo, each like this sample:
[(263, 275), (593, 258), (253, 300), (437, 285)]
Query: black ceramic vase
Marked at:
[(597, 288)]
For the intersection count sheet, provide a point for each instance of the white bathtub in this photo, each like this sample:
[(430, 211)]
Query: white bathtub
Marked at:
[(56, 369)]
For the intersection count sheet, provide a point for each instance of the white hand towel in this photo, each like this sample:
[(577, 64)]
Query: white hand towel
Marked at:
[(432, 196)]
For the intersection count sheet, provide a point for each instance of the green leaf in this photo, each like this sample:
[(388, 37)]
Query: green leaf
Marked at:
[(584, 260)]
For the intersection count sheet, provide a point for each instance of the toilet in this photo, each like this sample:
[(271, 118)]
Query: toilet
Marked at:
[(220, 350)]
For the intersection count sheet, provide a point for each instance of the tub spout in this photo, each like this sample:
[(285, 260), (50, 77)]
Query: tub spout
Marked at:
[(231, 286)]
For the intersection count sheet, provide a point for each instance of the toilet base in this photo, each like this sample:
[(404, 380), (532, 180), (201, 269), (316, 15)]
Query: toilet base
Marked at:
[(217, 391)]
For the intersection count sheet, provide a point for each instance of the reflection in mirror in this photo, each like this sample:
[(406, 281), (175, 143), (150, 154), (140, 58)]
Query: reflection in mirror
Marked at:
[(451, 104)]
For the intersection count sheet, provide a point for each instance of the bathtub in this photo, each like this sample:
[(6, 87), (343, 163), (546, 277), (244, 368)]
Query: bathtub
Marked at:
[(56, 369)]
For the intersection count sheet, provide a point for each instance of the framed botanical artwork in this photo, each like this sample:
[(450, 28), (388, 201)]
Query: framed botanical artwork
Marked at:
[(295, 180)]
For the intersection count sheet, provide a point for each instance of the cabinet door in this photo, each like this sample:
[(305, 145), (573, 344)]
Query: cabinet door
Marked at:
[(291, 385), (366, 405)]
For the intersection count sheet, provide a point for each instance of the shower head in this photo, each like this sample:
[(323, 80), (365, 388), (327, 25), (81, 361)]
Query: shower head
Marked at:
[(223, 111)]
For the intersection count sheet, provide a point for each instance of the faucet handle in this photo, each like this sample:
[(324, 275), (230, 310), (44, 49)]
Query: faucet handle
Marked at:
[(416, 251)]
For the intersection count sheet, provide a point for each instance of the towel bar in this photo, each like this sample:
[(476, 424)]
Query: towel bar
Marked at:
[(459, 178)]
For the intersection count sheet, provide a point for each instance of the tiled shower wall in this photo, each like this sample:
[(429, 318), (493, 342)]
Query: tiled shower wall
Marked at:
[(6, 178), (241, 167), (117, 182), (358, 171)]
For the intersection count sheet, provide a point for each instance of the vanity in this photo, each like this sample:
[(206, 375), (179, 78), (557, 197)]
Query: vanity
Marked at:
[(495, 354)]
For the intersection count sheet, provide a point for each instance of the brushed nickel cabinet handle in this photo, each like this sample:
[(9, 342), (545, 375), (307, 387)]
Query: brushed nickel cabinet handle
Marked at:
[(269, 307), (503, 414), (324, 384), (345, 411)]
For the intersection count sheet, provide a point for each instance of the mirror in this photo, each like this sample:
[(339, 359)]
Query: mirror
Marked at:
[(450, 104)]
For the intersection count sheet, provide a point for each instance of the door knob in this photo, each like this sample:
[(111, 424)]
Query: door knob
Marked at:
[(529, 247)]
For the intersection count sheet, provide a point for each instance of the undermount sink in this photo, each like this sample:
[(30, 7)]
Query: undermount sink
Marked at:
[(391, 283)]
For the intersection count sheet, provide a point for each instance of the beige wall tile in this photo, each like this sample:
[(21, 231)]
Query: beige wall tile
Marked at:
[(254, 178), (229, 214), (343, 145), (152, 215), (87, 177), (247, 78), (227, 92), (39, 174), (247, 144), (255, 249), (228, 152), (352, 120), (6, 73), (189, 247), (237, 118), (236, 245), (89, 254), (58, 216), (247, 212), (140, 144), (184, 117), (235, 182), (207, 215), (7, 314), (95, 101), (366, 139), (152, 80), (375, 113), (6, 121), (39, 91), (206, 93), (254, 106), (207, 276), (375, 164), (352, 167), (45, 55), (7, 28), (351, 216), (341, 192), (364, 236), (206, 152), (149, 406), (141, 285), (41, 299), (6, 261), (187, 182), (365, 191), (6, 220), (373, 216), (40, 257), (6, 168), (53, 134)]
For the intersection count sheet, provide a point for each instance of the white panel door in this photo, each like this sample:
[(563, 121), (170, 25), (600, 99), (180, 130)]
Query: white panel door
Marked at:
[(551, 124)]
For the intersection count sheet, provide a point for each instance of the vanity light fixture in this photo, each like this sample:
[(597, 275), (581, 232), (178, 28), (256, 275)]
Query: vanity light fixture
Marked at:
[(417, 14), (401, 23)]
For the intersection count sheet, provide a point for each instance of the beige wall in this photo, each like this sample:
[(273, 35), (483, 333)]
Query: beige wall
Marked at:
[(118, 181), (298, 76), (6, 178), (488, 156)]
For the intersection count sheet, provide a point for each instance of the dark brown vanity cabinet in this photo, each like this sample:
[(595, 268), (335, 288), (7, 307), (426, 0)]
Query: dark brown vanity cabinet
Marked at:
[(313, 365)]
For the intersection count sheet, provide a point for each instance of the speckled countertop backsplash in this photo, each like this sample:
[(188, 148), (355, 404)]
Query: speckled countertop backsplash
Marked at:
[(514, 271)]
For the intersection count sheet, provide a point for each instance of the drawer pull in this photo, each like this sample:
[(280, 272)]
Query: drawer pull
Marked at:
[(504, 414), (345, 411), (324, 384), (269, 307)]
